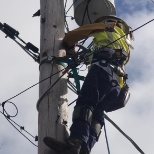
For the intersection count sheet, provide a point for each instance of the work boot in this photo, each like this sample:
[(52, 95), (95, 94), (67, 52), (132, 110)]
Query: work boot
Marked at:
[(84, 150), (70, 146)]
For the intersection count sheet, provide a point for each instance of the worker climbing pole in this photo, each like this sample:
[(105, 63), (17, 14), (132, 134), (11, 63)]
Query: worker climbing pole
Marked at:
[(105, 87)]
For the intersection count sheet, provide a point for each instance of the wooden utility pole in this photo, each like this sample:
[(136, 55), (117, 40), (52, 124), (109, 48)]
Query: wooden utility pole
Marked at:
[(53, 113)]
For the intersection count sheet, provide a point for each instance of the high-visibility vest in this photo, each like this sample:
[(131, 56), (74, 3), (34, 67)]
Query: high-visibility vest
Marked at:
[(105, 38)]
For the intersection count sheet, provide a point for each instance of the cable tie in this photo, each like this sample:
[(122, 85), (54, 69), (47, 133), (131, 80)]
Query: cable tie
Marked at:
[(3, 104), (8, 116), (22, 128), (36, 138)]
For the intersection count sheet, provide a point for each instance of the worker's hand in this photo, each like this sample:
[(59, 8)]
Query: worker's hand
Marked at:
[(70, 50), (67, 47)]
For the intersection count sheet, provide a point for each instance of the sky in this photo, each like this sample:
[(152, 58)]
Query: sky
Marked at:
[(19, 71)]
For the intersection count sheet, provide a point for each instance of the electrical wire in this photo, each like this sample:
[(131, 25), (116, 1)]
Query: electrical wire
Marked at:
[(33, 85), (71, 6), (142, 25), (72, 102), (65, 4), (86, 11), (106, 138), (5, 112), (135, 145), (9, 120), (45, 93)]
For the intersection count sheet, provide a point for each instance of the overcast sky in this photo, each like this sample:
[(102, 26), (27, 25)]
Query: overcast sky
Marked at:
[(19, 71)]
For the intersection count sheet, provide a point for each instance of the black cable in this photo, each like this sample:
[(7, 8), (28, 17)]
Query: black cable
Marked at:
[(71, 6), (18, 129), (65, 4), (33, 85), (5, 112), (85, 11), (88, 12), (72, 89), (38, 102), (106, 138), (65, 22), (135, 145), (72, 102), (142, 25)]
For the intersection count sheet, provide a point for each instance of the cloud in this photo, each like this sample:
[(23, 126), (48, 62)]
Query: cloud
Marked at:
[(19, 71), (131, 7)]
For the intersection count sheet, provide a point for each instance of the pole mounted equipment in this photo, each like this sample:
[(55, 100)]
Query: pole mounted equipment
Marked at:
[(88, 11), (29, 48)]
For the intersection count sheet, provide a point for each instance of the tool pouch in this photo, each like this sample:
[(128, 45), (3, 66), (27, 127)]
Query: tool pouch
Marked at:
[(121, 100)]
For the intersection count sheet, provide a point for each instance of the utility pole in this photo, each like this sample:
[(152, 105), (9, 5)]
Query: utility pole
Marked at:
[(53, 107)]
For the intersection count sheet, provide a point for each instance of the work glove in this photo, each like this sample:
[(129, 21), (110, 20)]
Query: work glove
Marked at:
[(70, 50)]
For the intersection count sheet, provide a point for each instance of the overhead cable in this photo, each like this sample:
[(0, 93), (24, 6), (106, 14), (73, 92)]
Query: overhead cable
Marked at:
[(34, 85), (135, 145), (19, 130)]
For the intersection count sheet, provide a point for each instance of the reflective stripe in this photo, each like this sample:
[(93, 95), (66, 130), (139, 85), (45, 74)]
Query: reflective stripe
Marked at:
[(111, 73), (106, 37)]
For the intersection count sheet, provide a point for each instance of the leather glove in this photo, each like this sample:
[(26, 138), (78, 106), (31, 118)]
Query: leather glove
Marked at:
[(70, 50)]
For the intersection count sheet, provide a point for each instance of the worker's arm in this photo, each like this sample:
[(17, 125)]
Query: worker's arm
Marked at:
[(84, 31)]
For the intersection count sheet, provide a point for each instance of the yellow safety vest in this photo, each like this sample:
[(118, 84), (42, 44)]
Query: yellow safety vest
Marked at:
[(104, 38)]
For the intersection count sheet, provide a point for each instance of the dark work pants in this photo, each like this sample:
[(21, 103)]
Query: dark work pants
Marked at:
[(97, 92)]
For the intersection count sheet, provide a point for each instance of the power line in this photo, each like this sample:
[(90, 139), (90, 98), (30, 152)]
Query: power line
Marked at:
[(71, 6), (135, 145), (33, 86), (19, 130)]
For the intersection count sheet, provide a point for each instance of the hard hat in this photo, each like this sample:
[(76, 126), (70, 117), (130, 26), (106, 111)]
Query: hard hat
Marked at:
[(123, 25)]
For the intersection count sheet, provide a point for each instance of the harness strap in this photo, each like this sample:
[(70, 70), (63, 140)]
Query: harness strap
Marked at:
[(66, 62)]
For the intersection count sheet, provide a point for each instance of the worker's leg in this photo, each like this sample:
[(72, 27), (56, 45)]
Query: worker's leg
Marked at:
[(87, 102), (82, 115), (82, 129), (105, 98)]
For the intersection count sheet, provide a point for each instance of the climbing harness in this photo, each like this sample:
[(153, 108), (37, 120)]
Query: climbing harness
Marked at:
[(69, 64)]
